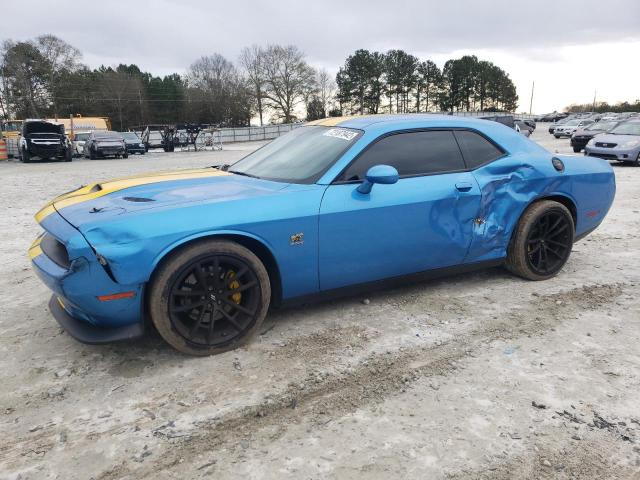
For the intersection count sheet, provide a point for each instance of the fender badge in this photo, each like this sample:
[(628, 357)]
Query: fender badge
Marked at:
[(296, 239)]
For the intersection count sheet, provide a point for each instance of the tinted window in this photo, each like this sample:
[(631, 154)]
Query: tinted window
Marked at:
[(414, 153), (476, 149)]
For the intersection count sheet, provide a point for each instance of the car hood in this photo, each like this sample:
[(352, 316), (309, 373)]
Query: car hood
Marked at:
[(617, 139), (98, 202), (581, 132)]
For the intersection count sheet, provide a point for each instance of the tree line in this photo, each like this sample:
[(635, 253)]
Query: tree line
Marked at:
[(45, 77), (604, 107), (396, 81)]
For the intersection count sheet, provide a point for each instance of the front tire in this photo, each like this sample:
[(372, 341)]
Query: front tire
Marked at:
[(25, 156), (209, 297), (576, 149), (542, 241)]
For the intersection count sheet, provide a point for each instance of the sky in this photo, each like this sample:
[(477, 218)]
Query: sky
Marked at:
[(571, 49)]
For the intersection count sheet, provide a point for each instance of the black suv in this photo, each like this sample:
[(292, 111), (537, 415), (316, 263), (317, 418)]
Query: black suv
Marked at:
[(44, 140)]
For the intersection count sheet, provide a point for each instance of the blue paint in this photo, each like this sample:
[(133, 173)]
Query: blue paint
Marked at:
[(397, 227)]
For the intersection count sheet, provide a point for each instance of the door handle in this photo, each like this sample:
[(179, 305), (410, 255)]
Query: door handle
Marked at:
[(463, 186)]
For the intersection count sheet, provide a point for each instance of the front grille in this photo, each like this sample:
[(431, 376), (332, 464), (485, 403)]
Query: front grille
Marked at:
[(605, 145), (608, 156), (55, 250)]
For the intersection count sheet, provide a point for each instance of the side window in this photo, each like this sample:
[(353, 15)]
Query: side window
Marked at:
[(476, 149), (412, 153)]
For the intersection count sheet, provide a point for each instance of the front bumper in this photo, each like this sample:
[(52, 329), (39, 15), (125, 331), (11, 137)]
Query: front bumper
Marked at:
[(135, 149), (622, 155), (78, 286), (88, 333), (43, 151), (562, 133), (108, 151)]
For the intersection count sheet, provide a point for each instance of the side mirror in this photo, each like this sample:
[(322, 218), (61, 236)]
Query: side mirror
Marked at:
[(383, 174)]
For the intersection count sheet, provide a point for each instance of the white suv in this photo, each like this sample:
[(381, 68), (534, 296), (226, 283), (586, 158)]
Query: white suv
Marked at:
[(567, 129)]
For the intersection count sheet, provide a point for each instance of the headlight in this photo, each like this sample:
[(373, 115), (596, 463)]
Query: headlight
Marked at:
[(142, 145), (629, 144), (591, 142)]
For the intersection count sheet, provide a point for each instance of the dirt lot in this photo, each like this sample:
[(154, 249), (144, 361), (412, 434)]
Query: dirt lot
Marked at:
[(480, 375)]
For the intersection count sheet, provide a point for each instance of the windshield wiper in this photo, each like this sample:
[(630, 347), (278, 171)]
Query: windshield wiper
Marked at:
[(244, 174)]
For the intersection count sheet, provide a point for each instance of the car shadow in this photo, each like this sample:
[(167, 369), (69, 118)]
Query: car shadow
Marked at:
[(282, 318)]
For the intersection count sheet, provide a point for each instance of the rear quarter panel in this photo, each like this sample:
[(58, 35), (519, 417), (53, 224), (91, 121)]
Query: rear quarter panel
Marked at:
[(511, 184)]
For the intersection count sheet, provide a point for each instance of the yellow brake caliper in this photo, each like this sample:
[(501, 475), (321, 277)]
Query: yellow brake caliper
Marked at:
[(236, 297)]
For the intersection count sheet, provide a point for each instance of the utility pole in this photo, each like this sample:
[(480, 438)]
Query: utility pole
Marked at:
[(533, 85), (593, 109)]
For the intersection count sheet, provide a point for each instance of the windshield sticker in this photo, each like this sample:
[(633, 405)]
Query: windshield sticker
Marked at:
[(341, 133)]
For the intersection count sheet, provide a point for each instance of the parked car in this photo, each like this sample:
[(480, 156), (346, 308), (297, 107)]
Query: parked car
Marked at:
[(531, 124), (44, 140), (79, 139), (133, 143), (581, 136), (104, 143), (523, 127), (333, 206), (555, 117), (560, 122), (567, 129), (622, 143)]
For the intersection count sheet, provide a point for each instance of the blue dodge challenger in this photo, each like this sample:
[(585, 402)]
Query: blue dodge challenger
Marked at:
[(331, 207)]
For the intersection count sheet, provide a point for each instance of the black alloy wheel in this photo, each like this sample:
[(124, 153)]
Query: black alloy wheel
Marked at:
[(213, 300), (209, 297), (542, 241), (549, 243)]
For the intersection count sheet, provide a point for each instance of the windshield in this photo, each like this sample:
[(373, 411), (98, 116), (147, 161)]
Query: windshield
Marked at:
[(572, 123), (601, 126), (108, 136), (630, 128), (130, 136), (81, 137), (300, 156)]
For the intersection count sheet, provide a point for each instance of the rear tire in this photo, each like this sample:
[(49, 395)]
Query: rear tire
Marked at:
[(126, 155), (209, 297), (542, 242)]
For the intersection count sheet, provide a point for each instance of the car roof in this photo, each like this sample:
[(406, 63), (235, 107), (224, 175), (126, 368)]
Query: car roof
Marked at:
[(398, 121)]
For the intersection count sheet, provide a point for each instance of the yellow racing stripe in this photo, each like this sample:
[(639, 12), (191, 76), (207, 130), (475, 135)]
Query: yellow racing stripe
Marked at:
[(97, 190), (35, 249)]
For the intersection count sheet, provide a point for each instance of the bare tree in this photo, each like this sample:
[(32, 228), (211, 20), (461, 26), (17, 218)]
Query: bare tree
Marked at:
[(288, 80), (222, 92), (119, 89), (326, 89), (252, 61), (60, 57)]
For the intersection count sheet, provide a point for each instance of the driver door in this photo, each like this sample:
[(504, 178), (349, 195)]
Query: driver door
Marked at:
[(422, 222)]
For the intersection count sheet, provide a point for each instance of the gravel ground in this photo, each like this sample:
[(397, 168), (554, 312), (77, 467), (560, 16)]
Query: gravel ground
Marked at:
[(479, 375)]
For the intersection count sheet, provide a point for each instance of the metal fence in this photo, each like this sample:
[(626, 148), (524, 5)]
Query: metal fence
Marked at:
[(248, 134), (269, 132)]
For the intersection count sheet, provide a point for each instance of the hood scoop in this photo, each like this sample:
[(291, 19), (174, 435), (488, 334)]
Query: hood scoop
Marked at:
[(138, 199)]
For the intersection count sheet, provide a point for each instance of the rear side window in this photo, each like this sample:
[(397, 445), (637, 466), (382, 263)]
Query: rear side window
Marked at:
[(476, 149), (412, 153)]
